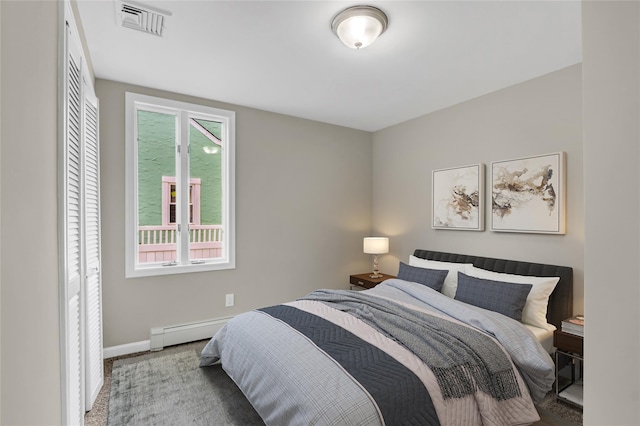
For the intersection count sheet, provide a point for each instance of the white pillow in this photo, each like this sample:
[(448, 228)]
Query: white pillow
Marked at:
[(535, 308), (451, 281)]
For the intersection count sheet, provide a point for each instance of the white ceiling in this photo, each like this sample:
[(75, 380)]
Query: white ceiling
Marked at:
[(281, 56)]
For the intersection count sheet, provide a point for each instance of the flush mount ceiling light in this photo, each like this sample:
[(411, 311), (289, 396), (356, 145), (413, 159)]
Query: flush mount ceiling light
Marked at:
[(359, 26)]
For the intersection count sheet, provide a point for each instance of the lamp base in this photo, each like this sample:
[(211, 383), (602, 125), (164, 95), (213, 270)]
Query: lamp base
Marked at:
[(376, 271)]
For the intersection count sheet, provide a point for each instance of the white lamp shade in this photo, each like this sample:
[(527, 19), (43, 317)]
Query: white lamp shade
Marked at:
[(359, 31), (376, 245), (359, 26)]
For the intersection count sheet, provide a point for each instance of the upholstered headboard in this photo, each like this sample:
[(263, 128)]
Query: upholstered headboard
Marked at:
[(561, 301)]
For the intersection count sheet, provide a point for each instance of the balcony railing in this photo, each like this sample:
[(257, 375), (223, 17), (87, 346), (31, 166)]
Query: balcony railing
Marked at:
[(158, 243)]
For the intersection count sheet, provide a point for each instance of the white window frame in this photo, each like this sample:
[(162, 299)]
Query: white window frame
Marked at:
[(183, 111)]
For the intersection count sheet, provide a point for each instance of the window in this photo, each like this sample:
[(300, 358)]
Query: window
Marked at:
[(179, 187)]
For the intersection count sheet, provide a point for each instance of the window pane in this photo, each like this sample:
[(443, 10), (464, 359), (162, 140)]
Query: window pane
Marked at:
[(205, 162), (172, 213), (156, 158)]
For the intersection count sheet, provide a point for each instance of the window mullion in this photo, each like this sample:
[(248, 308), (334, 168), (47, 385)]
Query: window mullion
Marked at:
[(183, 184)]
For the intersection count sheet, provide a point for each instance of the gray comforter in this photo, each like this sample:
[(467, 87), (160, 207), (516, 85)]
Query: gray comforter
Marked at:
[(347, 358)]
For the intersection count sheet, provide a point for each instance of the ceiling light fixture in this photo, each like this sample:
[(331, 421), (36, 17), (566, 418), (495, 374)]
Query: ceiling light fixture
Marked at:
[(359, 26)]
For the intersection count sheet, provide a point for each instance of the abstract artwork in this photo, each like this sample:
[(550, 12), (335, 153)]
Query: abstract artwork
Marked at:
[(528, 194), (457, 198)]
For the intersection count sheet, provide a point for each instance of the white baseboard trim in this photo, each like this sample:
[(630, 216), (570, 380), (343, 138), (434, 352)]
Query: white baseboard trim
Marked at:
[(183, 333), (169, 336), (129, 348)]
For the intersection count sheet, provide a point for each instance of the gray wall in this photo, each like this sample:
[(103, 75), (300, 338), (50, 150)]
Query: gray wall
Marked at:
[(540, 116), (30, 358), (611, 74), (303, 205)]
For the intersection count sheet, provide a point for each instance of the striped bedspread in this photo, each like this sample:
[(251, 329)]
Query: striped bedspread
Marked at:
[(397, 354)]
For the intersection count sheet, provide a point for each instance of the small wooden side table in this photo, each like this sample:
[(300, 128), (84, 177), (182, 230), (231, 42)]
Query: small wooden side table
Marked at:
[(364, 281), (569, 358)]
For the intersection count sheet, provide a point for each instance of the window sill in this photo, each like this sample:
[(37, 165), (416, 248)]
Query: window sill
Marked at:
[(156, 269)]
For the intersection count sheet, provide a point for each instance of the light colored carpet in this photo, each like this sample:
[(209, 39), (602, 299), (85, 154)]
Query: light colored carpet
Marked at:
[(215, 381)]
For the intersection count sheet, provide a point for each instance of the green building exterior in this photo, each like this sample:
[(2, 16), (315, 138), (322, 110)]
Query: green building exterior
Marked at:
[(157, 158)]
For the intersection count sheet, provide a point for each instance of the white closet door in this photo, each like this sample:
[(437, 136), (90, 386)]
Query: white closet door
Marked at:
[(73, 235), (80, 289), (93, 288)]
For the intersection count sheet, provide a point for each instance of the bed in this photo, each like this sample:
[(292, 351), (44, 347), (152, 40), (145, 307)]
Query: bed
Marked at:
[(406, 351)]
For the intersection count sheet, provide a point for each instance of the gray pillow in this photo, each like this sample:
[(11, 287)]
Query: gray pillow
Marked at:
[(433, 278), (505, 298)]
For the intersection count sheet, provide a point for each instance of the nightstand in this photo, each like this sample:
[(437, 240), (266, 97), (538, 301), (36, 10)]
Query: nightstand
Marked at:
[(364, 281), (569, 367)]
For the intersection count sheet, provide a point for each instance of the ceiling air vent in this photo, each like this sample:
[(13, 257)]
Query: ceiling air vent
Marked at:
[(138, 16)]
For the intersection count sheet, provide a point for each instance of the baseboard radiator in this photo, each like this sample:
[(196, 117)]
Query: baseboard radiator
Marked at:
[(184, 333)]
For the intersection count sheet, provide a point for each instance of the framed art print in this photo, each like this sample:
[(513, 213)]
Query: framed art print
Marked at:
[(528, 194), (457, 196)]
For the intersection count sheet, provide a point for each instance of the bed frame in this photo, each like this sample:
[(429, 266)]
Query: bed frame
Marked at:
[(561, 301)]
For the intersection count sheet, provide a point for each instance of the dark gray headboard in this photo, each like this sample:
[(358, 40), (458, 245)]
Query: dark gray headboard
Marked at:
[(561, 300)]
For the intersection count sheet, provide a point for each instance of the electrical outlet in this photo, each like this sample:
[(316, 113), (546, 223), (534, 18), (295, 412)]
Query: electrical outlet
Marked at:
[(228, 300)]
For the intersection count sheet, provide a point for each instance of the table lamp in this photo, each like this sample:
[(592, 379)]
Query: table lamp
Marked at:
[(376, 246)]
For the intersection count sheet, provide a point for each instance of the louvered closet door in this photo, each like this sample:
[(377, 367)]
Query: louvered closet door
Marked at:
[(73, 236), (93, 288)]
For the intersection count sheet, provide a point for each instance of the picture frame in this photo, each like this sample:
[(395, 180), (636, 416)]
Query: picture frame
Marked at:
[(528, 194), (458, 198)]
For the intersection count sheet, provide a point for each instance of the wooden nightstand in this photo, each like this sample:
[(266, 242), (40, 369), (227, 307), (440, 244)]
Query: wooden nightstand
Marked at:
[(569, 367), (364, 281)]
